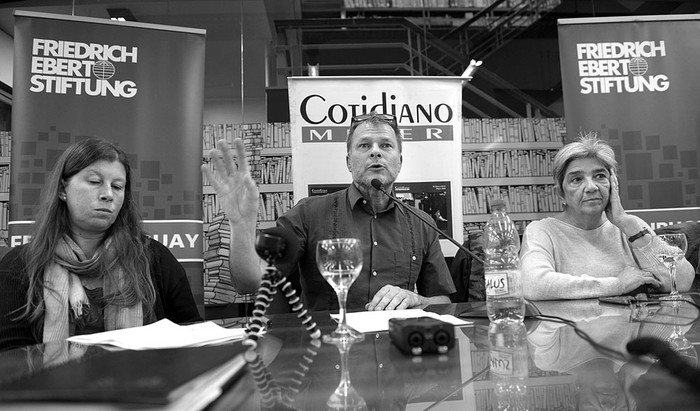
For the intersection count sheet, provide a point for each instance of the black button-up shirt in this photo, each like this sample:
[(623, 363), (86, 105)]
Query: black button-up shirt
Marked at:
[(397, 248)]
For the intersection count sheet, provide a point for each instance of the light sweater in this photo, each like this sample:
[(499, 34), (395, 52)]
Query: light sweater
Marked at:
[(561, 261)]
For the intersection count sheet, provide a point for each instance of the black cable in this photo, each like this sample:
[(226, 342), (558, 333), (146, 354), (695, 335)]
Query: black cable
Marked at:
[(691, 302)]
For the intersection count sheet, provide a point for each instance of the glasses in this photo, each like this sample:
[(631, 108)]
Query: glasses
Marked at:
[(386, 118)]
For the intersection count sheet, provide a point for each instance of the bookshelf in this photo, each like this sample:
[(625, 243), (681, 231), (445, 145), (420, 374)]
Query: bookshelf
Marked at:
[(268, 149), (509, 158), (5, 142)]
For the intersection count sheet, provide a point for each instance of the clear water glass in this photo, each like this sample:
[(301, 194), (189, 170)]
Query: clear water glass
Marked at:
[(340, 260), (672, 249)]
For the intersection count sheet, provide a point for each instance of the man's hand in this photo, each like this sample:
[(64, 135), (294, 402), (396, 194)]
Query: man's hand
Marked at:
[(235, 189), (237, 195), (391, 297)]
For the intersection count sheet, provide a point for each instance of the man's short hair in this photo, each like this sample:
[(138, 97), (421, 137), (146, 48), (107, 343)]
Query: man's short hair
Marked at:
[(374, 119)]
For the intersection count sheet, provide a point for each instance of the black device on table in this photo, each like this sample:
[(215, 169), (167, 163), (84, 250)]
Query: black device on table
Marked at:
[(422, 335), (628, 300)]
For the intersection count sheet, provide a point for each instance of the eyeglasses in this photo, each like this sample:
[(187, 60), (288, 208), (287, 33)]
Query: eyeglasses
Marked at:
[(387, 118)]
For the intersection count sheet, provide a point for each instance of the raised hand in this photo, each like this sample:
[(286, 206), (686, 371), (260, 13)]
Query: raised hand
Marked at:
[(236, 191), (237, 195), (614, 210)]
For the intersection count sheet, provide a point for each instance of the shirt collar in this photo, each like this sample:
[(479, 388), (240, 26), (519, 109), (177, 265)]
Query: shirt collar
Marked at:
[(355, 196)]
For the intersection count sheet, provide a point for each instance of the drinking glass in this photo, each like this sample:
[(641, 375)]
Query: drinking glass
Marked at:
[(670, 251), (345, 397), (340, 260), (677, 340)]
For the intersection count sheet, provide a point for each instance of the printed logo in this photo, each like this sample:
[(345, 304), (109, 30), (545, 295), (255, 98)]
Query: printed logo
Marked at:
[(68, 67), (620, 67), (496, 283), (326, 121)]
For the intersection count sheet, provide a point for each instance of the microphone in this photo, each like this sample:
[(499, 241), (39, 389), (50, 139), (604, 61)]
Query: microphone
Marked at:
[(668, 358), (379, 186)]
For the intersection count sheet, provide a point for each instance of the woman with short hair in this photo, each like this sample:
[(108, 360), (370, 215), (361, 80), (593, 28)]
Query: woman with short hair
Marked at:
[(593, 248)]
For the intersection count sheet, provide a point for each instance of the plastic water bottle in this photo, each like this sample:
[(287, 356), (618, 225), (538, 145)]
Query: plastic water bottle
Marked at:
[(504, 289), (508, 364)]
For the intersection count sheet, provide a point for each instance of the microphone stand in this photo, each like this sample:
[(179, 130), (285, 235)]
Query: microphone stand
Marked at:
[(379, 186)]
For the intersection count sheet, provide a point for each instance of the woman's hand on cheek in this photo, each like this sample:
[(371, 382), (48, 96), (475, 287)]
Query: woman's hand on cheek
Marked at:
[(614, 210)]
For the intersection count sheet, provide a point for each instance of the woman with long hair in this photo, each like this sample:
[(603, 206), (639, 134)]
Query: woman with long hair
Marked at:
[(89, 266)]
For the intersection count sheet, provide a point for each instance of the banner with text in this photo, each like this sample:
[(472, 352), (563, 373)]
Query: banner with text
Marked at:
[(634, 81), (429, 115), (139, 85)]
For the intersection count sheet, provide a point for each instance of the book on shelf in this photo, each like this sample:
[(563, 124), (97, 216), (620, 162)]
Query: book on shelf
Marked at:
[(5, 143), (520, 199), (507, 163), (513, 130)]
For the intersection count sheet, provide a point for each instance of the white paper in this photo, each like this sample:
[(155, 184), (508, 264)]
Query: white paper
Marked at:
[(163, 334), (373, 321)]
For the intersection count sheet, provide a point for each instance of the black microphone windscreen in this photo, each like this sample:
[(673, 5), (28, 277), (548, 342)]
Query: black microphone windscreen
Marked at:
[(647, 345), (668, 358), (376, 184), (276, 242)]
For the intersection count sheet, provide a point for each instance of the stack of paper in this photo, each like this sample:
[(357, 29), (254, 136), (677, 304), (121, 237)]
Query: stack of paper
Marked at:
[(163, 334)]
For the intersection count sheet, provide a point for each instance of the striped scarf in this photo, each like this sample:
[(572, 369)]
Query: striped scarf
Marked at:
[(63, 289)]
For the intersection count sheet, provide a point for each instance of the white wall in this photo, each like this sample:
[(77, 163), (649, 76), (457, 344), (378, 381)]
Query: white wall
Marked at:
[(225, 111)]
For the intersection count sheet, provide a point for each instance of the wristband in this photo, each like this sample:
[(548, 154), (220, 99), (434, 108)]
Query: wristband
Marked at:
[(639, 235)]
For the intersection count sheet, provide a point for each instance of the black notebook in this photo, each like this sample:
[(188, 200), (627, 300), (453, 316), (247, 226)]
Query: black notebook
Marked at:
[(150, 377)]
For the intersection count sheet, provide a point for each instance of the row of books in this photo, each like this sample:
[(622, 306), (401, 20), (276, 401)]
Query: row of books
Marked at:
[(273, 205), (276, 170), (276, 135), (507, 163), (5, 179), (521, 199), (216, 238), (210, 208), (513, 130), (4, 214), (218, 288), (358, 4), (5, 143), (270, 135)]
